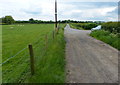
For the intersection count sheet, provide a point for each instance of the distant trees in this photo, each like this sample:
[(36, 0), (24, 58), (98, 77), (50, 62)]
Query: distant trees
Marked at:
[(21, 22), (74, 21), (10, 20), (0, 20), (7, 20), (31, 20)]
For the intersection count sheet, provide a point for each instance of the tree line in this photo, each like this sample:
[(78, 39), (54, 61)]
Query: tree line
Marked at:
[(10, 20), (7, 20)]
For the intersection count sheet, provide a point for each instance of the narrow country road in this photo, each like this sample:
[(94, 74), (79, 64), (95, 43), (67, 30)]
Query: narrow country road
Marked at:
[(89, 60)]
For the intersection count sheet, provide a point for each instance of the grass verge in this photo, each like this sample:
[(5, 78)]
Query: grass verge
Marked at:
[(51, 67), (107, 37)]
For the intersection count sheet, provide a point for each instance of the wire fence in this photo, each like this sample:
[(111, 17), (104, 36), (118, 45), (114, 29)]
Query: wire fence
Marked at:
[(13, 56), (17, 67)]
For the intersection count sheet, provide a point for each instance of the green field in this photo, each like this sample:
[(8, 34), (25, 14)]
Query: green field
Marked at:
[(48, 53)]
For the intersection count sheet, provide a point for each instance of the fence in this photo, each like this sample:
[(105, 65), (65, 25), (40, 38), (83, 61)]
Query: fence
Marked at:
[(18, 67)]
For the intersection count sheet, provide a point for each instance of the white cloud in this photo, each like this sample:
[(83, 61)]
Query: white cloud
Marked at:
[(87, 0), (90, 14), (104, 11), (44, 10), (98, 11)]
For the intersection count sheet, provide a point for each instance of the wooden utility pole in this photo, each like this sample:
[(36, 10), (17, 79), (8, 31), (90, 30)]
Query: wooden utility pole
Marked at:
[(56, 15)]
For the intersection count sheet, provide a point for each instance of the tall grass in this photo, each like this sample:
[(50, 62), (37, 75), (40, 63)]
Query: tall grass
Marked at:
[(107, 37), (51, 67)]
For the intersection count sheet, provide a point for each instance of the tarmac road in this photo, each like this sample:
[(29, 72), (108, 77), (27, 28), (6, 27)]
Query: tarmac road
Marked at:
[(89, 60)]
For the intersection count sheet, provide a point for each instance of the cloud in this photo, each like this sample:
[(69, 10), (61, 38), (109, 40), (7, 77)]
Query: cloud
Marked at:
[(87, 0), (44, 10), (93, 12), (104, 11), (32, 10)]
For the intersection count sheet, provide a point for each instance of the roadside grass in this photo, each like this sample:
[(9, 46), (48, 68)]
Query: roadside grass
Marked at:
[(51, 67), (107, 37), (16, 38)]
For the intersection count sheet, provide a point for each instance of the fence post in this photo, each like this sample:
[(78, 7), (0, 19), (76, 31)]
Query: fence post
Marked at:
[(31, 59)]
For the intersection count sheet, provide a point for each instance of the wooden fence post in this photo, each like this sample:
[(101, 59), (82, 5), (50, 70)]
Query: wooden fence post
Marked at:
[(31, 59)]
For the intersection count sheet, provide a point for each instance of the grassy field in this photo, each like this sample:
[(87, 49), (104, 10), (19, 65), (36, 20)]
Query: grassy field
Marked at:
[(17, 37), (107, 37), (49, 59)]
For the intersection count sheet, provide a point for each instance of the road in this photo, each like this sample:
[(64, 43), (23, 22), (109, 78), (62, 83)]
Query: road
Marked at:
[(89, 60)]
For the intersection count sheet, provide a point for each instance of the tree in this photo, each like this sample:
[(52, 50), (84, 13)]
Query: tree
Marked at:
[(8, 20), (0, 20), (31, 20)]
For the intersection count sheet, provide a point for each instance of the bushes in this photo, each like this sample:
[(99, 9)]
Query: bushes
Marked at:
[(89, 26), (86, 26), (76, 26), (111, 26), (107, 37)]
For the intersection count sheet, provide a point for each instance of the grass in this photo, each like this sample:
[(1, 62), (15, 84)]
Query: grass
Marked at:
[(0, 53), (107, 37), (76, 26), (18, 37), (51, 67), (83, 26), (49, 62)]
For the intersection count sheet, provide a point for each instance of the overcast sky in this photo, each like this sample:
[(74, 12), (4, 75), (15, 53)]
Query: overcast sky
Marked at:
[(105, 10)]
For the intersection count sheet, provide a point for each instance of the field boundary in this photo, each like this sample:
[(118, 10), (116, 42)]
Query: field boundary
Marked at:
[(47, 40)]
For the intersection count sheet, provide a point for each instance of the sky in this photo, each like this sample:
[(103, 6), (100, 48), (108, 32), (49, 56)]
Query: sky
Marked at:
[(81, 10)]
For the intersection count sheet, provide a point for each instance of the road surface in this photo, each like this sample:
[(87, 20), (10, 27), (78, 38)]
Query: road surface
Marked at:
[(89, 60)]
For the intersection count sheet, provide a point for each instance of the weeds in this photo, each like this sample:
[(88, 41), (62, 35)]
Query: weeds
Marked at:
[(107, 37)]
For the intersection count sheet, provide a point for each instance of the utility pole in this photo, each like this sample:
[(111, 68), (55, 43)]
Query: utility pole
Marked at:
[(56, 15)]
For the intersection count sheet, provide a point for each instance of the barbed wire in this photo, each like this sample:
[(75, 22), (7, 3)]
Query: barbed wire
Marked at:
[(13, 65), (21, 51), (37, 39), (38, 46), (13, 56)]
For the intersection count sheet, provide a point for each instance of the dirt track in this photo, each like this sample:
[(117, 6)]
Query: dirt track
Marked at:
[(89, 60)]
